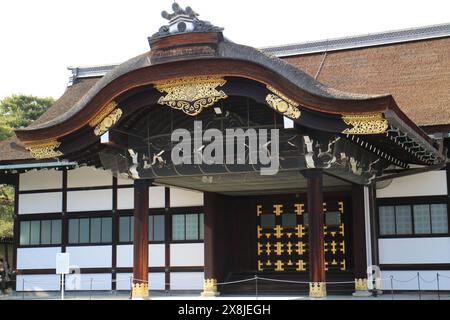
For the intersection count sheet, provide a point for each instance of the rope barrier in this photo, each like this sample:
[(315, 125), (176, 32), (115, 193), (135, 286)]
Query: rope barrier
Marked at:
[(427, 281), (405, 281), (28, 285)]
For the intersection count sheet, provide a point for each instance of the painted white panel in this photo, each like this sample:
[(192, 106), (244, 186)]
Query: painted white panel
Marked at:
[(157, 197), (92, 200), (88, 177), (124, 256), (424, 184), (40, 180), (156, 255), (32, 203), (90, 256), (123, 281), (187, 254), (125, 198), (407, 280), (414, 250), (37, 258), (186, 280), (89, 281), (156, 281), (185, 198), (45, 282)]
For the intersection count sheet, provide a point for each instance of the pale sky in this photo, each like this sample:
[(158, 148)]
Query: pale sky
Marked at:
[(41, 38)]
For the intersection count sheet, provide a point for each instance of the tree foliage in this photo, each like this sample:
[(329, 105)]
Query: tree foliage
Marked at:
[(19, 111), (16, 111)]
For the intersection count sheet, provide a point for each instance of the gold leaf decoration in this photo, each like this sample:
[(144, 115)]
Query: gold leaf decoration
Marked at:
[(283, 104), (365, 123), (361, 284), (44, 150), (210, 288), (317, 290), (108, 122), (103, 114), (140, 290), (191, 94)]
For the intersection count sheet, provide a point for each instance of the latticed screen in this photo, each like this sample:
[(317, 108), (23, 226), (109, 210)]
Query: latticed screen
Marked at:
[(282, 233), (420, 219)]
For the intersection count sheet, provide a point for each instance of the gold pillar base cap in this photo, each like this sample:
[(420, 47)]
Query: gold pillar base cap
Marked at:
[(361, 284), (139, 291), (210, 288), (317, 290)]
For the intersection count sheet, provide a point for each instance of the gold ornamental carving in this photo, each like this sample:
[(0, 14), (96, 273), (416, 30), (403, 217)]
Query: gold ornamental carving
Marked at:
[(191, 94), (110, 120), (365, 123), (317, 289), (361, 284), (278, 101), (210, 288), (44, 150), (103, 114), (140, 290)]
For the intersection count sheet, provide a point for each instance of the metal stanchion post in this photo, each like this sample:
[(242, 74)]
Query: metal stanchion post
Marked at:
[(392, 287), (90, 291), (418, 285), (131, 287), (439, 293), (256, 286)]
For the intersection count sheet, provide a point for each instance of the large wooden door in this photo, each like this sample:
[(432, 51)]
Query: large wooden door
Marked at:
[(282, 235)]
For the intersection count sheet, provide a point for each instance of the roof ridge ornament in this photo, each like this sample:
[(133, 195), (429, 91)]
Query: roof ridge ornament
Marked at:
[(183, 21)]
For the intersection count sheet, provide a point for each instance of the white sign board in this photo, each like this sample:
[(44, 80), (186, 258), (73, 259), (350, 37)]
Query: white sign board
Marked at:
[(62, 263)]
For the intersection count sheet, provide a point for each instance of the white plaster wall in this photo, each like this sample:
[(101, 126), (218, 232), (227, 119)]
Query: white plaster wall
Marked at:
[(88, 177), (185, 198), (424, 184), (100, 281), (92, 200), (407, 280), (123, 281), (414, 250), (45, 282), (125, 198), (187, 254), (90, 256), (40, 180), (156, 281), (37, 258), (156, 198), (33, 203), (186, 280), (156, 255)]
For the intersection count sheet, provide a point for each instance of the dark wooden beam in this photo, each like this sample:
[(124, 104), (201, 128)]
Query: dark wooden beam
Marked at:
[(359, 237), (212, 238), (316, 236), (140, 244)]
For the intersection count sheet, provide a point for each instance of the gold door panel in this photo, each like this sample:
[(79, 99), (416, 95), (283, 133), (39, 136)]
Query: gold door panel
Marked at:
[(282, 233)]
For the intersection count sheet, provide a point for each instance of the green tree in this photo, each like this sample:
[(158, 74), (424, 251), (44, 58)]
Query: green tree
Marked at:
[(20, 111), (16, 111)]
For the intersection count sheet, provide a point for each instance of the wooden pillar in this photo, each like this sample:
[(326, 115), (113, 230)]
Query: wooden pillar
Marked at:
[(359, 207), (140, 244), (212, 267), (317, 286)]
